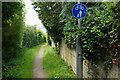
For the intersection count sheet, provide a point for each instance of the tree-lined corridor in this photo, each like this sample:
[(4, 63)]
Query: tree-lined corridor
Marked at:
[(29, 52)]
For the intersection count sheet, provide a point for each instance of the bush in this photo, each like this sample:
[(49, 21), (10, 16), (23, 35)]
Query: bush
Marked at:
[(12, 29), (32, 36)]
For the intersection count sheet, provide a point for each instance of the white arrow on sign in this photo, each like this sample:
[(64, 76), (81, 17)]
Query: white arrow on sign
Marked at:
[(80, 14)]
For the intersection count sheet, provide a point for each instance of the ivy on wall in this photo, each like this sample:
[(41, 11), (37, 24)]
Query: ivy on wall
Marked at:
[(99, 33)]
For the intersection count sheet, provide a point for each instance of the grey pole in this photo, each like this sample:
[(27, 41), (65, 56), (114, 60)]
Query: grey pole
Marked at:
[(78, 55)]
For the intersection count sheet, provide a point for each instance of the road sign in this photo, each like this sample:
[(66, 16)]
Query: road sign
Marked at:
[(79, 10)]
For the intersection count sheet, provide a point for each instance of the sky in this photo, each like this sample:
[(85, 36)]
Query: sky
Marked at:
[(31, 17)]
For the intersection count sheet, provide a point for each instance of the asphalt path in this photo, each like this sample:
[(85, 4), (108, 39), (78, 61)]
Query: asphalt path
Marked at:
[(38, 71)]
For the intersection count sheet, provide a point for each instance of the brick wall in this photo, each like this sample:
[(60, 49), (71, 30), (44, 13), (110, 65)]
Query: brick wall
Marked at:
[(69, 55)]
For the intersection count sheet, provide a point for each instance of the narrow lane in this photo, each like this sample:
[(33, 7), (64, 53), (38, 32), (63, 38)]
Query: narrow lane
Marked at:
[(38, 71)]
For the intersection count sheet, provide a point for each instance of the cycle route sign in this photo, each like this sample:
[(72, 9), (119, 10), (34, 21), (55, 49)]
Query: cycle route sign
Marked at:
[(79, 10)]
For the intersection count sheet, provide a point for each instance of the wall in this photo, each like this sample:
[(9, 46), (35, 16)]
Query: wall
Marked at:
[(69, 55)]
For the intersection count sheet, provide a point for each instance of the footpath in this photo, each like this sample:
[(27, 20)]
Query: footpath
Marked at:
[(38, 71)]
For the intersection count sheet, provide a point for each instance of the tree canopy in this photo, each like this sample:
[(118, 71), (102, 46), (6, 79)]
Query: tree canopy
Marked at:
[(99, 33), (49, 14)]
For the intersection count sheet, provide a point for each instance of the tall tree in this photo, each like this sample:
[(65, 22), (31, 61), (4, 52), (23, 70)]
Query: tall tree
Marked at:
[(49, 14)]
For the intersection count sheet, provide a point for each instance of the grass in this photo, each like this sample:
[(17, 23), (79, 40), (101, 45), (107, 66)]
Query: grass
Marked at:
[(23, 65), (55, 66), (29, 57)]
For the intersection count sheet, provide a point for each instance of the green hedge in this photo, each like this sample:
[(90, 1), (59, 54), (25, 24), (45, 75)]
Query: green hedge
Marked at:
[(12, 29), (32, 36)]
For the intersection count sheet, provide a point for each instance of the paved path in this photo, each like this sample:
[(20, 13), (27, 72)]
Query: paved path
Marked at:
[(38, 71)]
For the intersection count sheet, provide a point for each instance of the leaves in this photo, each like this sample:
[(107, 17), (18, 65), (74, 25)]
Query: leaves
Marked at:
[(12, 28), (99, 27), (32, 36), (96, 29), (49, 14)]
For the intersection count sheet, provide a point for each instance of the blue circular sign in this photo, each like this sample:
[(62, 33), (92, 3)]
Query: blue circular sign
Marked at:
[(79, 10)]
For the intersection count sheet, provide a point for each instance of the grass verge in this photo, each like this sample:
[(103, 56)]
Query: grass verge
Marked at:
[(22, 66), (55, 66)]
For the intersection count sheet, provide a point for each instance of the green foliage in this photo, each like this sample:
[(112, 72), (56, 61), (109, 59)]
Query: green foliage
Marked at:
[(55, 66), (49, 14), (17, 62), (70, 26), (12, 29), (49, 41), (99, 28), (99, 31), (22, 66), (32, 36), (41, 36)]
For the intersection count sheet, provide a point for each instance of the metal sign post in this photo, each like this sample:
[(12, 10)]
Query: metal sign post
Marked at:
[(78, 54), (79, 11)]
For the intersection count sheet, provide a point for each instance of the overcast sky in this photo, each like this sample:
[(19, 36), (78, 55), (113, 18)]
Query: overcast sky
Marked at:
[(31, 16)]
